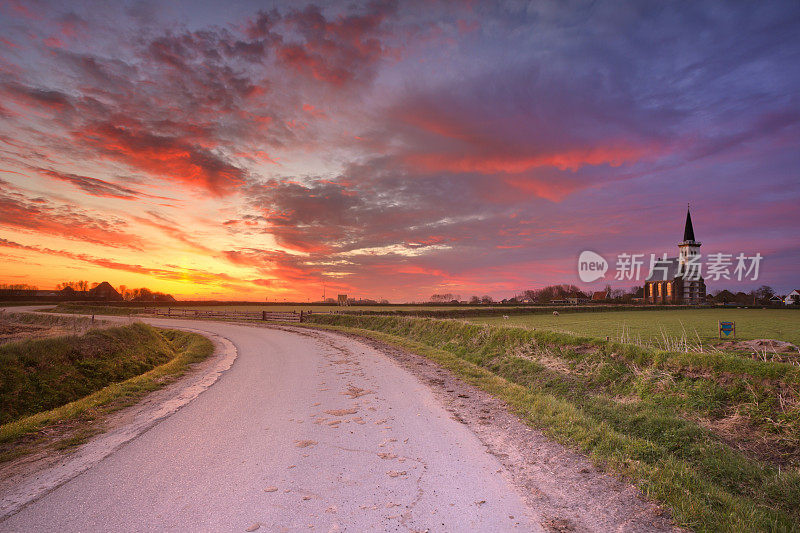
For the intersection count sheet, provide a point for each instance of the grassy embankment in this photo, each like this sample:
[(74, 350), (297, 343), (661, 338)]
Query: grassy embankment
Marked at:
[(73, 380), (713, 436)]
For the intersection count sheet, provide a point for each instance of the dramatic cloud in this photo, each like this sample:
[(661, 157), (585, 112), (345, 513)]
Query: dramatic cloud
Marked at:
[(98, 187), (173, 229), (40, 215), (395, 148), (162, 156), (337, 51)]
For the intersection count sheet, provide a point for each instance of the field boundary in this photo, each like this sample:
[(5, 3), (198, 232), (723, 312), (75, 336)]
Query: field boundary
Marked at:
[(265, 316)]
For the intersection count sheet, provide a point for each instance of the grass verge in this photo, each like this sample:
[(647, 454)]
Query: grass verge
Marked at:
[(644, 414), (127, 363), (88, 309)]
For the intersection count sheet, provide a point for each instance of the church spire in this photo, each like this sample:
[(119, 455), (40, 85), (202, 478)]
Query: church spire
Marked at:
[(688, 231)]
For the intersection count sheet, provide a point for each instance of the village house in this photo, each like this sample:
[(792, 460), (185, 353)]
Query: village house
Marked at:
[(573, 298), (600, 296), (792, 298), (106, 292), (101, 292), (672, 281)]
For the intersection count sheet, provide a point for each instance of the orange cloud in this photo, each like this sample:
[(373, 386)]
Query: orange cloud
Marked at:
[(42, 216), (572, 159), (416, 270), (172, 229), (167, 157), (98, 187)]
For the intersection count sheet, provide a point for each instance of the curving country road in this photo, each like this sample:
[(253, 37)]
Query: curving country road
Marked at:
[(307, 431)]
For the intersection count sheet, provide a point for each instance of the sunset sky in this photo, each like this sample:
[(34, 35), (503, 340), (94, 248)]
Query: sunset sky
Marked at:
[(253, 150)]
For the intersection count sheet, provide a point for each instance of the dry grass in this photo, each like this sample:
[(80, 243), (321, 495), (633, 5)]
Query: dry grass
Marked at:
[(16, 327)]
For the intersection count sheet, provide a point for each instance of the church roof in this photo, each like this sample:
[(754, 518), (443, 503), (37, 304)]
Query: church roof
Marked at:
[(688, 230)]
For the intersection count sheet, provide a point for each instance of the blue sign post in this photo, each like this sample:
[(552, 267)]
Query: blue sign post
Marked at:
[(727, 328)]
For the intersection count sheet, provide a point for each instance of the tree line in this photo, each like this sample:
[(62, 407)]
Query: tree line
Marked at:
[(142, 294), (18, 287), (760, 296)]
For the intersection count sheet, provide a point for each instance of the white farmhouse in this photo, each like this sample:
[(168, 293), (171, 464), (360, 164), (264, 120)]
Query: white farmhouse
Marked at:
[(792, 297)]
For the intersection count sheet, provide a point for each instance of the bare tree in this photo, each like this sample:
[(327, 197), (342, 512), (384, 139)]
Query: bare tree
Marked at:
[(551, 292), (764, 293)]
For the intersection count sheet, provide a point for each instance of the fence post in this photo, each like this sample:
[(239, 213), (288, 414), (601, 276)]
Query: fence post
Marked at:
[(169, 311), (301, 316), (264, 316)]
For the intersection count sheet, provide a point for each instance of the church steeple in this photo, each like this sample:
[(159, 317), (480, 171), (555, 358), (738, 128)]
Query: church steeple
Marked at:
[(688, 230), (688, 247), (686, 285)]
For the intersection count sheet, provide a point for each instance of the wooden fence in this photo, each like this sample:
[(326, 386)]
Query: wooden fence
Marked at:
[(267, 316)]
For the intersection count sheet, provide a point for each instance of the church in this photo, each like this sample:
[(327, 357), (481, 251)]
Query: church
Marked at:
[(670, 281)]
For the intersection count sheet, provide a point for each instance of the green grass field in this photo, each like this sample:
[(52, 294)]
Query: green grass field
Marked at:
[(650, 326)]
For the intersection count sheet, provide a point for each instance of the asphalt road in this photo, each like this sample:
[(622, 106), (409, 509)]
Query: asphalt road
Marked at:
[(305, 432)]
